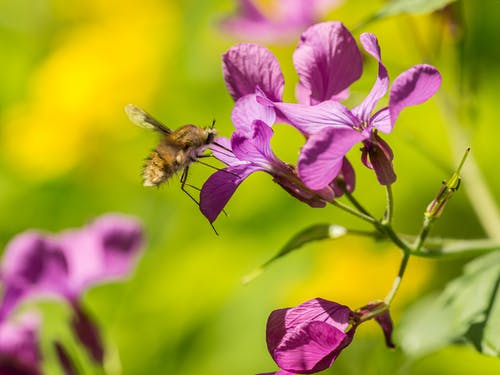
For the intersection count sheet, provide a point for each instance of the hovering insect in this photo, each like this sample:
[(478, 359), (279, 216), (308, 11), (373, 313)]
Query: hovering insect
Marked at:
[(176, 151)]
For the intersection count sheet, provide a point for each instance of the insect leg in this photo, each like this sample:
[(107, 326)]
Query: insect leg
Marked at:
[(183, 188)]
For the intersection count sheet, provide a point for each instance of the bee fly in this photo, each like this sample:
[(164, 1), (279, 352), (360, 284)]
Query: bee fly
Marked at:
[(176, 151)]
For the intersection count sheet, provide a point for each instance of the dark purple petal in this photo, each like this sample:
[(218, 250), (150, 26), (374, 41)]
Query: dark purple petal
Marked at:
[(316, 199), (382, 121), (385, 322), (254, 146), (328, 61), (309, 347), (19, 348), (247, 110), (33, 264), (377, 155), (65, 360), (412, 87), (346, 177), (220, 187), (312, 119), (87, 332), (379, 89), (248, 66), (321, 158)]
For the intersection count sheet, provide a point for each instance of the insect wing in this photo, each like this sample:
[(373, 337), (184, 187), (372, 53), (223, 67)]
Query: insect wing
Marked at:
[(143, 119)]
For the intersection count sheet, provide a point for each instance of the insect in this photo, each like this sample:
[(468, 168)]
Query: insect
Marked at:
[(176, 151)]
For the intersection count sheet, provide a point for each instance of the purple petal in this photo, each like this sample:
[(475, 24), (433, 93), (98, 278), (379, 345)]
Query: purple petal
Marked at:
[(221, 149), (382, 121), (379, 89), (385, 322), (220, 187), (312, 119), (248, 66), (347, 177), (88, 334), (315, 199), (309, 347), (322, 156), (377, 155), (19, 349), (255, 147), (105, 250), (327, 60), (247, 110), (33, 264), (412, 87)]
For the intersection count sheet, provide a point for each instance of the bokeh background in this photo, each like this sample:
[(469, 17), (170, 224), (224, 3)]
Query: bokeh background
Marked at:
[(68, 153)]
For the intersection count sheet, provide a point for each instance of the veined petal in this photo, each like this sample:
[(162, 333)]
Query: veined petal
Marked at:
[(220, 187), (255, 147), (312, 119), (221, 149), (382, 121), (310, 347), (327, 61), (379, 89), (247, 110), (322, 156), (412, 87), (248, 66)]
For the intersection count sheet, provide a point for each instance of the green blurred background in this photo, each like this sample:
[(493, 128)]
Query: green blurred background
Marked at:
[(68, 153)]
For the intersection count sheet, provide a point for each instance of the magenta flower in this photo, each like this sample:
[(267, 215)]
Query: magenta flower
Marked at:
[(332, 129), (308, 338), (249, 151), (283, 22), (327, 61), (19, 348), (37, 265)]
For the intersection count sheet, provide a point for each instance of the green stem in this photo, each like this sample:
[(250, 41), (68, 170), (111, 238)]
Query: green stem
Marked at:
[(397, 281), (351, 211), (390, 205), (424, 232), (356, 203)]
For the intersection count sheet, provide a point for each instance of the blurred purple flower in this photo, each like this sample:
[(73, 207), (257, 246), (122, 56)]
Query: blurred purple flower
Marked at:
[(308, 338), (19, 348), (331, 128), (38, 265), (249, 151), (282, 23)]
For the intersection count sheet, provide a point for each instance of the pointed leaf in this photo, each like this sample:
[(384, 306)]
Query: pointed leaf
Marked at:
[(313, 233)]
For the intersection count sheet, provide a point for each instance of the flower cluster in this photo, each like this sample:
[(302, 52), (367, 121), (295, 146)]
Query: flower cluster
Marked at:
[(37, 265), (328, 61), (308, 338)]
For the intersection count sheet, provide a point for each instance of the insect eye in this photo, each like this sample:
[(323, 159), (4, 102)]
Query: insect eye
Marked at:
[(210, 138)]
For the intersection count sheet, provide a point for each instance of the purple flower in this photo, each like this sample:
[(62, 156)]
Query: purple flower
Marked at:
[(327, 61), (308, 338), (332, 129), (37, 265), (19, 349), (284, 20), (65, 265), (249, 151)]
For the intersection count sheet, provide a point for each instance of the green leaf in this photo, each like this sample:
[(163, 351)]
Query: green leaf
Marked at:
[(313, 233), (467, 310)]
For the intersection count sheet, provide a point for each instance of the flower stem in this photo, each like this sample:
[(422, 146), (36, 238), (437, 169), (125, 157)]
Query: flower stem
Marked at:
[(352, 211), (397, 281), (390, 205), (356, 203)]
